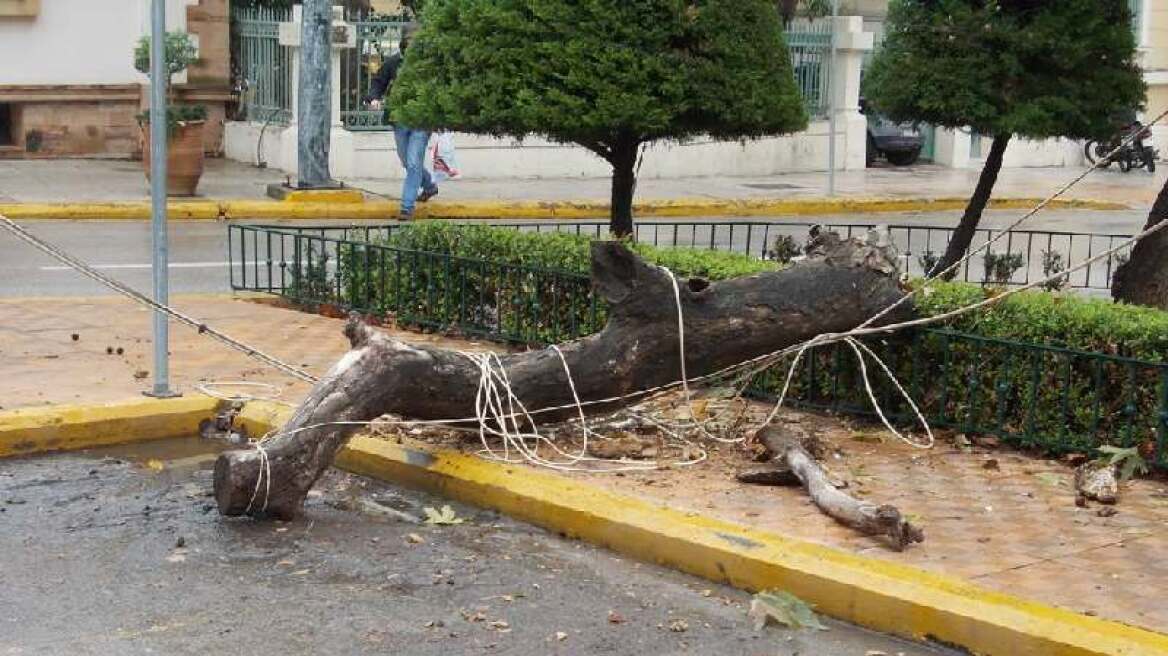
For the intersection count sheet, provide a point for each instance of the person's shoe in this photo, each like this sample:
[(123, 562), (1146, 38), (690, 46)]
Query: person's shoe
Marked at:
[(405, 216), (428, 194)]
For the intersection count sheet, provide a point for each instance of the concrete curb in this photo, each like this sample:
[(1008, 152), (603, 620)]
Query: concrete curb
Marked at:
[(881, 595), (877, 594), (68, 427), (307, 208)]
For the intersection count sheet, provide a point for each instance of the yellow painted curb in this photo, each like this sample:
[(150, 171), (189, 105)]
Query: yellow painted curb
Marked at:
[(324, 196), (310, 207), (877, 594), (68, 427)]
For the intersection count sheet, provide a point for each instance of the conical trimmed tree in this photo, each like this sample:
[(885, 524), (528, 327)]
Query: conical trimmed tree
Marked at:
[(609, 75), (1029, 68)]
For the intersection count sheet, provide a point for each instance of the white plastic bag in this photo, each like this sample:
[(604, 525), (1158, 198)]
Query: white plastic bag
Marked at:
[(443, 158)]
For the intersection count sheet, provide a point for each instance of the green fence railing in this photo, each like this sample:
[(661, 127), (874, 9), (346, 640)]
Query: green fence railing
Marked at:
[(261, 67), (1031, 395)]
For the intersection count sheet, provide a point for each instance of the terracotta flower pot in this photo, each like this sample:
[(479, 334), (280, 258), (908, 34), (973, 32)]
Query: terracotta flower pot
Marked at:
[(184, 161)]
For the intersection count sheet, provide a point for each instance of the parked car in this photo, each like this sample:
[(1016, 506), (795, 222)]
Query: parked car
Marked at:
[(899, 143)]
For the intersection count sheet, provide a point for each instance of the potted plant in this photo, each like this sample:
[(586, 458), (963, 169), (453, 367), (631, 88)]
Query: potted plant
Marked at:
[(184, 124)]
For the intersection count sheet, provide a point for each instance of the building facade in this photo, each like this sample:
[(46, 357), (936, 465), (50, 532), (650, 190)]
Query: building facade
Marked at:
[(68, 86)]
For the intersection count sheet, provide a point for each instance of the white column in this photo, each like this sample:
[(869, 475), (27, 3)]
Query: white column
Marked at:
[(852, 42)]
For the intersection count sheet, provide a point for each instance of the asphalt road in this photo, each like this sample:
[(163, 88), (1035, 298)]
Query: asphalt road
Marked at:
[(199, 262), (119, 551)]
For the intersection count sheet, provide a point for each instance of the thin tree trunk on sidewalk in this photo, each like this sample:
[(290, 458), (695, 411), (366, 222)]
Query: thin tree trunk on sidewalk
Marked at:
[(1143, 279), (624, 183), (963, 236), (726, 323), (314, 101)]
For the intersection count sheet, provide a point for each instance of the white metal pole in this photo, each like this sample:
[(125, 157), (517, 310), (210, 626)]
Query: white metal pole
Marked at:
[(831, 104), (159, 80)]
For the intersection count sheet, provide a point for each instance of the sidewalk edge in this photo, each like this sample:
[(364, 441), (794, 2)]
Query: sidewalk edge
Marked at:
[(570, 209)]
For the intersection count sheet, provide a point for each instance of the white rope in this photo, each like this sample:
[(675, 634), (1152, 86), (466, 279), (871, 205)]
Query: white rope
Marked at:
[(212, 389)]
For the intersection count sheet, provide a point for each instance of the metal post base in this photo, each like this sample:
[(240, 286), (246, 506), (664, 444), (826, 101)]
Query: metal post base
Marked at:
[(164, 393)]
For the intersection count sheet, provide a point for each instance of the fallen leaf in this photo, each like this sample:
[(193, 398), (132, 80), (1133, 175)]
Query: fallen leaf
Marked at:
[(414, 538), (678, 626), (155, 465), (443, 517), (561, 636), (615, 617), (499, 625), (784, 608)]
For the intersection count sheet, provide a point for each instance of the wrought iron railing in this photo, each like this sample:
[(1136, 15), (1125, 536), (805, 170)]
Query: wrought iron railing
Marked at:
[(261, 67), (1032, 395), (1018, 258)]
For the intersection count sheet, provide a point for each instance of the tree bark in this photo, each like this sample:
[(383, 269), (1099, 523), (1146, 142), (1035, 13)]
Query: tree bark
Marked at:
[(1143, 279), (624, 183), (963, 236), (314, 101), (881, 521), (726, 323)]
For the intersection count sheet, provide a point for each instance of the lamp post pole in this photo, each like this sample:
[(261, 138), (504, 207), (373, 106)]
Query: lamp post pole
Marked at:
[(831, 105), (159, 80)]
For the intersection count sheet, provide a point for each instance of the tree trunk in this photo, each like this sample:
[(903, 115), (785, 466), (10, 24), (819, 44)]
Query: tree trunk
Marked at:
[(624, 183), (963, 236), (726, 323), (1143, 279), (314, 102)]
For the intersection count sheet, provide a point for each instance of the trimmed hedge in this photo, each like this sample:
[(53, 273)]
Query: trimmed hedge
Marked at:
[(1058, 319), (562, 251)]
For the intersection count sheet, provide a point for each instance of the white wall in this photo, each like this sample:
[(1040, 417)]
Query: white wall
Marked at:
[(372, 155), (79, 41)]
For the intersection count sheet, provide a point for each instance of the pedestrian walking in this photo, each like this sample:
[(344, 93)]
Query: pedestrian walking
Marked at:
[(411, 143)]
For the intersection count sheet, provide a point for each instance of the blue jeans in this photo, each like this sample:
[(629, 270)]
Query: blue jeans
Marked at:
[(411, 150)]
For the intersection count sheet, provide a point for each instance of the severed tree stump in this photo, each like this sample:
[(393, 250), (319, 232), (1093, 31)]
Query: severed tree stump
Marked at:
[(838, 287)]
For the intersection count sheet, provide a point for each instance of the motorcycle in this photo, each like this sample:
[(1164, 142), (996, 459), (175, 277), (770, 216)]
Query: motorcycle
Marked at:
[(1124, 150)]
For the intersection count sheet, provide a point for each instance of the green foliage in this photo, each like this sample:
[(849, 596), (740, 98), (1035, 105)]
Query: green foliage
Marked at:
[(562, 251), (593, 71), (180, 54), (609, 75), (515, 286), (176, 115), (1129, 461), (1068, 321), (1036, 69), (1001, 267)]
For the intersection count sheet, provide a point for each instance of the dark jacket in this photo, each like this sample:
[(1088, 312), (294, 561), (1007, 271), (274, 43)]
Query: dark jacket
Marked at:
[(385, 77)]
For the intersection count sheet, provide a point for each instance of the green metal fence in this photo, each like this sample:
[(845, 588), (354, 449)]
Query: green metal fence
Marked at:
[(1031, 395), (261, 67), (809, 44)]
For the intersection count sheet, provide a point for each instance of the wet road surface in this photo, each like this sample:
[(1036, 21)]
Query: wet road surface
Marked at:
[(120, 551)]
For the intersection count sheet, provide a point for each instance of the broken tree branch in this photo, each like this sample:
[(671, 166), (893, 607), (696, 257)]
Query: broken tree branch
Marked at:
[(726, 323), (884, 520)]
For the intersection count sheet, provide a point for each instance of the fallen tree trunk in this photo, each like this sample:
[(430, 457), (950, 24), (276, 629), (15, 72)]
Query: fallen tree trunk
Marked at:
[(726, 323), (791, 457)]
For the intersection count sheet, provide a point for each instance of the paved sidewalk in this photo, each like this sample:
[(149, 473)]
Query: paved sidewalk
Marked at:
[(995, 517), (60, 181)]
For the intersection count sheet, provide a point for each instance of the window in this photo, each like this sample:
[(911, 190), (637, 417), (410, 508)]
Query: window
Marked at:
[(7, 125)]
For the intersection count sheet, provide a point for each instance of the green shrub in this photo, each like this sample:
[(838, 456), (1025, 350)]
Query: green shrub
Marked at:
[(1065, 320), (518, 286)]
